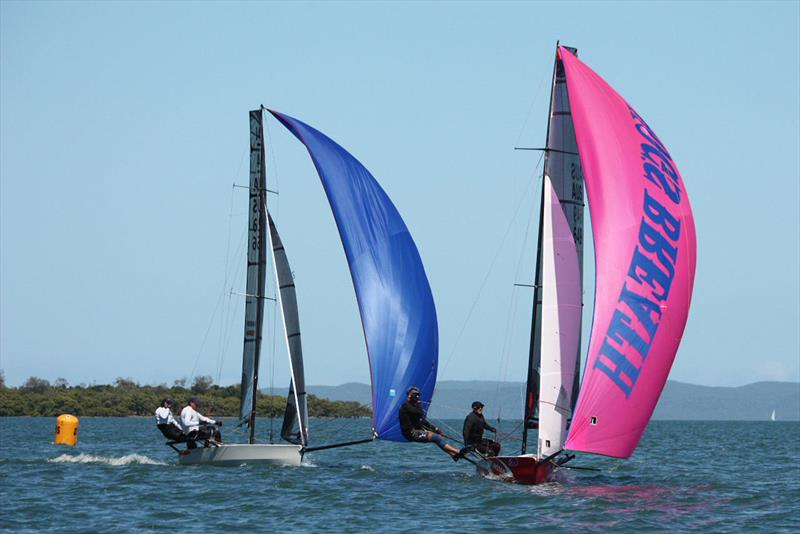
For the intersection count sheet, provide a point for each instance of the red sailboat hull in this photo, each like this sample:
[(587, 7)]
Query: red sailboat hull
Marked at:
[(516, 469)]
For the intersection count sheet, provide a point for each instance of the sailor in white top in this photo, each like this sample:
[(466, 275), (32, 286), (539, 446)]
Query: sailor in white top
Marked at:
[(164, 417), (165, 422), (191, 419)]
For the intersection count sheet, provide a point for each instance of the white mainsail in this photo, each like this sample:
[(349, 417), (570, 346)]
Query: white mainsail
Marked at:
[(560, 325)]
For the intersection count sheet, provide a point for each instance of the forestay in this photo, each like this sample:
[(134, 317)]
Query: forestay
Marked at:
[(645, 255), (394, 297)]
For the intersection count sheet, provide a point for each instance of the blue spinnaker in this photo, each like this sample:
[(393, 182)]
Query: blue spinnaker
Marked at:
[(393, 293)]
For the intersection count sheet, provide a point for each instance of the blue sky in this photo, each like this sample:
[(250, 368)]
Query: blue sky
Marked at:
[(123, 126)]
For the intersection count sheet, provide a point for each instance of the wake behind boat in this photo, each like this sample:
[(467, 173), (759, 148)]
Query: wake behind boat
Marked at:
[(393, 293), (645, 255)]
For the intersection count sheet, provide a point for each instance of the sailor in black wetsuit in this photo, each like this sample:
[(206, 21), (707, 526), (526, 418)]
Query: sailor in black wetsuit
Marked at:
[(415, 427), (474, 425)]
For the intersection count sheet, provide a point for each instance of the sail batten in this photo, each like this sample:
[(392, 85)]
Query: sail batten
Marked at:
[(395, 301), (645, 256)]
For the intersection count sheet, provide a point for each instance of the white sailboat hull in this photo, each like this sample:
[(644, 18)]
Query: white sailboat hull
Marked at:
[(238, 454)]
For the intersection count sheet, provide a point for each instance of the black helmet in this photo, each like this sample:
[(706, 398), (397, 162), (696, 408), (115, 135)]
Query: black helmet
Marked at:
[(476, 405), (413, 392)]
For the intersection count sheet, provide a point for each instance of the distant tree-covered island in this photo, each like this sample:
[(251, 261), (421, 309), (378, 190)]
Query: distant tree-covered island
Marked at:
[(38, 397)]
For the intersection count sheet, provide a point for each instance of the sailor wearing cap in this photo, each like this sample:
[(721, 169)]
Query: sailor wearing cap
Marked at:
[(191, 419), (474, 425)]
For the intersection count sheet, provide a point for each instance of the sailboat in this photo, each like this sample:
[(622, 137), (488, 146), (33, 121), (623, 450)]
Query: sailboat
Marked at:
[(394, 298), (772, 416), (645, 256)]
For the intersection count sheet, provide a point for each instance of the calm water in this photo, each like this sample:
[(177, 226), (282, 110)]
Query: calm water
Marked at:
[(686, 476)]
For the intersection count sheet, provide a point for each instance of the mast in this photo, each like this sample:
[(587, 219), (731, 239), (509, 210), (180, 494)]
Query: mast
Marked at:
[(535, 354), (256, 276), (563, 167)]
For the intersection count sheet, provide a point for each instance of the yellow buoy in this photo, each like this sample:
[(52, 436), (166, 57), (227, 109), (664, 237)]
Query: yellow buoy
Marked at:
[(66, 430)]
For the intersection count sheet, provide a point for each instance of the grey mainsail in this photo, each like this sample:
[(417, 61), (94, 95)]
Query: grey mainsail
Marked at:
[(256, 276), (563, 167), (295, 419)]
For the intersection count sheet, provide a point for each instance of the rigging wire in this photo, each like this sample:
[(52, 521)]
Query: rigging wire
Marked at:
[(505, 353), (273, 158), (451, 432), (224, 285), (440, 422), (230, 229), (496, 255), (272, 355), (205, 338), (227, 267), (513, 302), (230, 313), (543, 80)]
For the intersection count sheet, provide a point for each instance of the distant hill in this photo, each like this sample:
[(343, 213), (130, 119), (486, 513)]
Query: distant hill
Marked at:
[(753, 402)]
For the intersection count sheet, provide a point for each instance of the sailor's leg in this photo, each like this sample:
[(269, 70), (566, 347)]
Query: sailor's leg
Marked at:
[(440, 442), (190, 439), (488, 447), (205, 433)]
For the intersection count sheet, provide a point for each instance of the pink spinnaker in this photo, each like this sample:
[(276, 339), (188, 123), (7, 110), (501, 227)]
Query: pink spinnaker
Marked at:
[(645, 256)]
